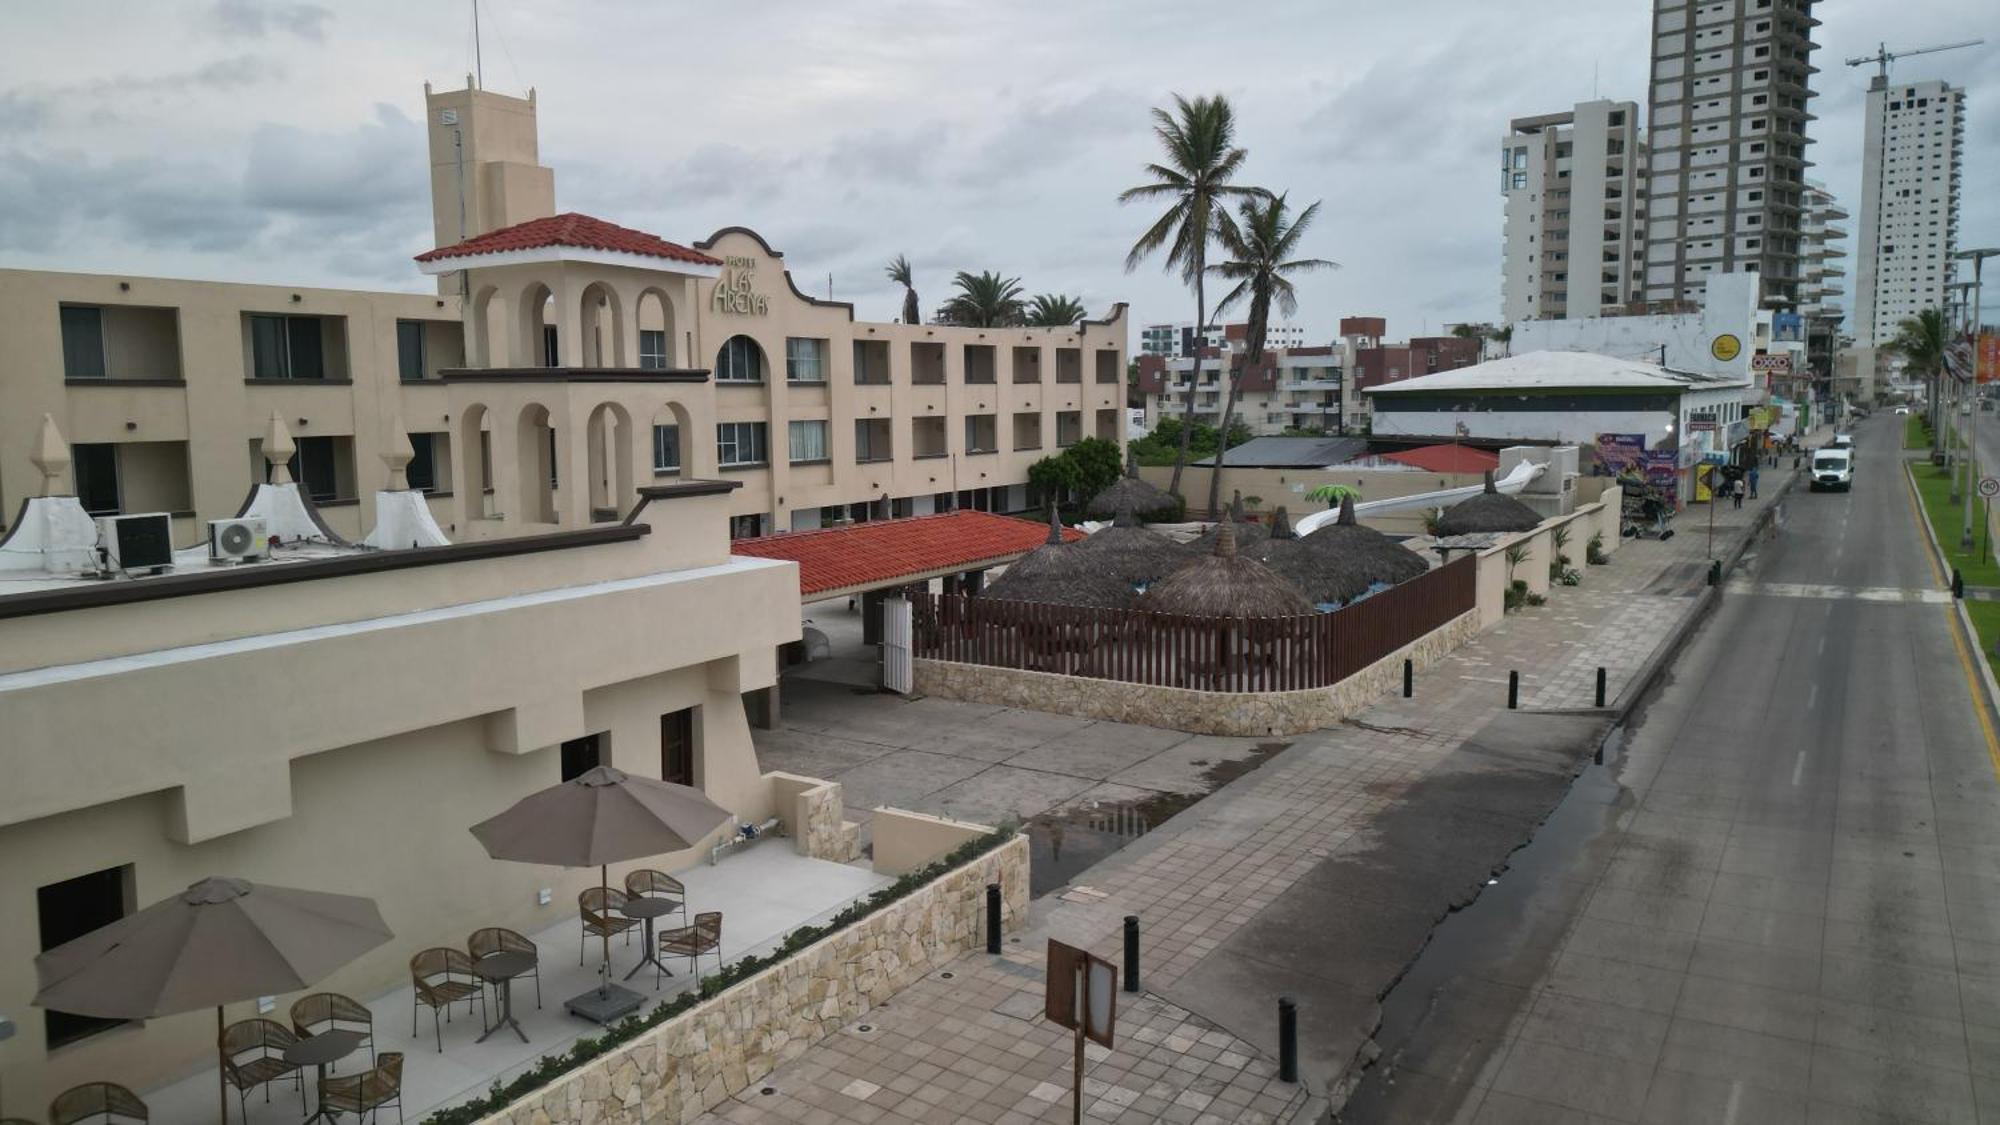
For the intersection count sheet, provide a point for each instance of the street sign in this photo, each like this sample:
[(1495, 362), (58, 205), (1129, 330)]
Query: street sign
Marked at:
[(1989, 487), (1082, 996), (1725, 347), (1778, 364)]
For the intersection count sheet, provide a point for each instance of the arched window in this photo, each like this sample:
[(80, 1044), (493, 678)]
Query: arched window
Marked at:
[(739, 361)]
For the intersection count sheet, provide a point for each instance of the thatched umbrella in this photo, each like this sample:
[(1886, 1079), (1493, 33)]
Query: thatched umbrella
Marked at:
[(1225, 584), (1130, 494), (1107, 569), (1488, 511), (1351, 558), (1246, 532), (1288, 556)]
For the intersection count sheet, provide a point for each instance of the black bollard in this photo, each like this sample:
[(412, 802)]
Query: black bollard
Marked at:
[(1288, 1040), (992, 917), (1600, 685), (1131, 953), (1957, 584), (1409, 677), (1715, 572), (1513, 691)]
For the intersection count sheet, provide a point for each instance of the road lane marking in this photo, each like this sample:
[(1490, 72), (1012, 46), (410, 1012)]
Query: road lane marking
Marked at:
[(1822, 645), (1826, 591), (1798, 769), (1812, 697)]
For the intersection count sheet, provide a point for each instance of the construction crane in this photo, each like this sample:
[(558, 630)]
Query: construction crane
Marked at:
[(1883, 56)]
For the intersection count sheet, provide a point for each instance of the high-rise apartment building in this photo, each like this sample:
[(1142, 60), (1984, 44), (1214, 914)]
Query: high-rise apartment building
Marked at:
[(1726, 134), (1571, 182), (1822, 275), (1913, 143), (1170, 340)]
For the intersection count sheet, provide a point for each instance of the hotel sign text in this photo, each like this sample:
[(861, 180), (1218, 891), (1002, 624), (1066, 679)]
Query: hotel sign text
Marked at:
[(732, 290)]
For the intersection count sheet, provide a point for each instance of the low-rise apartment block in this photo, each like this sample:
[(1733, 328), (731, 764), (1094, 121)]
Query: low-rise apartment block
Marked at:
[(1575, 238)]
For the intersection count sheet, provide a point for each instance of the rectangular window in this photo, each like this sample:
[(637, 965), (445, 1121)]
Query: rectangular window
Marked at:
[(740, 443), (808, 441), (581, 755), (286, 347), (1520, 179), (551, 347), (871, 439), (96, 469), (316, 467), (677, 746), (805, 360), (422, 471), (410, 350), (666, 449), (653, 349), (83, 342), (68, 910)]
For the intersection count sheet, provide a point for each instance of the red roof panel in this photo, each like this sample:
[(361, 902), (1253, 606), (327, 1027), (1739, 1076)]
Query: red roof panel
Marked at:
[(1446, 458), (882, 551), (570, 229)]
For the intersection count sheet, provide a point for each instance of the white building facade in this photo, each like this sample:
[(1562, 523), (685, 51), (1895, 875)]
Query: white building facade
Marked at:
[(1573, 242), (1912, 151), (1726, 133)]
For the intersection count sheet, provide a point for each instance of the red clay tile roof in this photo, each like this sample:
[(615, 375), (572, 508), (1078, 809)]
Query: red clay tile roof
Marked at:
[(570, 229), (1446, 458), (883, 551)]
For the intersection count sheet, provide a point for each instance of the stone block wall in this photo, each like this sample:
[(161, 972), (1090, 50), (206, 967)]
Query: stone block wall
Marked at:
[(1199, 712), (701, 1058), (814, 813)]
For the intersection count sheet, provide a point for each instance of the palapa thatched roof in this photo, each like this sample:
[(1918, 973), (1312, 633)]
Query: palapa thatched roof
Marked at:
[(1246, 532), (1105, 569), (1488, 511), (1225, 584), (1351, 558), (1129, 494)]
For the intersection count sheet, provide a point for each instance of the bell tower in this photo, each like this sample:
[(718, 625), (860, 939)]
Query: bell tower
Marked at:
[(485, 164)]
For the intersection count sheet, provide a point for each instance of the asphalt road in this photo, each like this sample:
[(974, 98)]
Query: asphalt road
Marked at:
[(1779, 903)]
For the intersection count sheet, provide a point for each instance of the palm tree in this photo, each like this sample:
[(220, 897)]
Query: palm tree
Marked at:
[(1054, 310), (984, 300), (1260, 250), (1922, 341), (900, 273), (1201, 159)]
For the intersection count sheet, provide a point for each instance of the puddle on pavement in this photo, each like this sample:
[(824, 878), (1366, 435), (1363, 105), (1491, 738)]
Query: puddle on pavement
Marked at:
[(1064, 843)]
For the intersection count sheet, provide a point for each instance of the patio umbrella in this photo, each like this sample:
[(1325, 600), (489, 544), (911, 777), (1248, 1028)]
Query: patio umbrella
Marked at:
[(219, 941), (1489, 510), (600, 817)]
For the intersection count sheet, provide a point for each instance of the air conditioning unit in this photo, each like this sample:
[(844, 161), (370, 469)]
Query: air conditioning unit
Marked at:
[(137, 542), (239, 540)]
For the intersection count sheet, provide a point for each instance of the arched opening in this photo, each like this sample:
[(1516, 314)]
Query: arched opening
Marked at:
[(671, 434), (485, 335), (537, 344), (739, 360), (475, 468), (538, 455), (611, 455), (659, 347), (603, 326)]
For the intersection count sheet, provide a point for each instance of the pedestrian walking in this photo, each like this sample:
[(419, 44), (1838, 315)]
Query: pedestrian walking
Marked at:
[(1753, 482), (1736, 494)]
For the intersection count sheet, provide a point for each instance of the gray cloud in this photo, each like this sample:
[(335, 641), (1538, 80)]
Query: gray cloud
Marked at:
[(254, 19), (369, 172)]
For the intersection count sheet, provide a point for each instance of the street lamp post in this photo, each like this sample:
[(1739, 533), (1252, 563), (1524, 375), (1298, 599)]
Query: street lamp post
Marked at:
[(1978, 258)]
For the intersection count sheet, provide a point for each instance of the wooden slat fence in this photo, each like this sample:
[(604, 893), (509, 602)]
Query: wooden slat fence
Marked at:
[(1258, 654)]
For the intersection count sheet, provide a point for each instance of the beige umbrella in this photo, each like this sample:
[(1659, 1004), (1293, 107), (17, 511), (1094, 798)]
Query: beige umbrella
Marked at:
[(600, 817), (218, 942)]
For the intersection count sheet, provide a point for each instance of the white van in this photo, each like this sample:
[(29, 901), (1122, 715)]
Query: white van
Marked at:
[(1841, 440), (1832, 468)]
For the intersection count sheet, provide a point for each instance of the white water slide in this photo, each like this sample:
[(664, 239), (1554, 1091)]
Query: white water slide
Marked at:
[(1512, 483)]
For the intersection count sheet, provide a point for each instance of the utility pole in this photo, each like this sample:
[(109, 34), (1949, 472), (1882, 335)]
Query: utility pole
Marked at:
[(1978, 258), (1956, 309)]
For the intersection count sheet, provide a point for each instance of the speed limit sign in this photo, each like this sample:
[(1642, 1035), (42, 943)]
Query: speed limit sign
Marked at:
[(1989, 487)]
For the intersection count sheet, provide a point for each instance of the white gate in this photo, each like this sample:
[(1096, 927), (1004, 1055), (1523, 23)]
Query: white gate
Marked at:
[(896, 644)]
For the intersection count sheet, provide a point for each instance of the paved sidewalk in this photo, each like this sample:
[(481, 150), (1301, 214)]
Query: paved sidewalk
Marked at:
[(1207, 874)]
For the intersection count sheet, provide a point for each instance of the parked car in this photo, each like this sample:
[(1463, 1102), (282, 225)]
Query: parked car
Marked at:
[(1902, 410), (1841, 440), (1832, 468)]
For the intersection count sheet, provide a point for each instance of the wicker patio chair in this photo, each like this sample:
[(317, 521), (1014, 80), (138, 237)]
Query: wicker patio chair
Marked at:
[(102, 1101), (598, 907), (253, 1055), (322, 1011), (705, 936), (495, 939), (441, 977), (648, 883), (369, 1091)]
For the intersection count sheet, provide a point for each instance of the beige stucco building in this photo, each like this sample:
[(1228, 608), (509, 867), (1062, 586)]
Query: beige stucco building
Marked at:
[(676, 360)]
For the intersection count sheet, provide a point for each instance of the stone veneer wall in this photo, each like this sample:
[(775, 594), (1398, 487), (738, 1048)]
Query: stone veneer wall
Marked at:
[(815, 815), (696, 1061), (1199, 712)]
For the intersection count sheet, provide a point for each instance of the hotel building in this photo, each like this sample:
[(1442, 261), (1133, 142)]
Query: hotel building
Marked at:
[(673, 361), (1574, 239)]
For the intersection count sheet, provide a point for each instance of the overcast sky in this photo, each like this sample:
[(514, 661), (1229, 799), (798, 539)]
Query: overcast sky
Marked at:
[(283, 142)]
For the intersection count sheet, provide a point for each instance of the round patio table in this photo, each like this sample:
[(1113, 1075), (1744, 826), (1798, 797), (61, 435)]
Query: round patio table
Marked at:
[(500, 969), (646, 909), (319, 1052)]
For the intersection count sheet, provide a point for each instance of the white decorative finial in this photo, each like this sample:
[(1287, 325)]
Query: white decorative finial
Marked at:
[(51, 456), (278, 450), (397, 455)]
